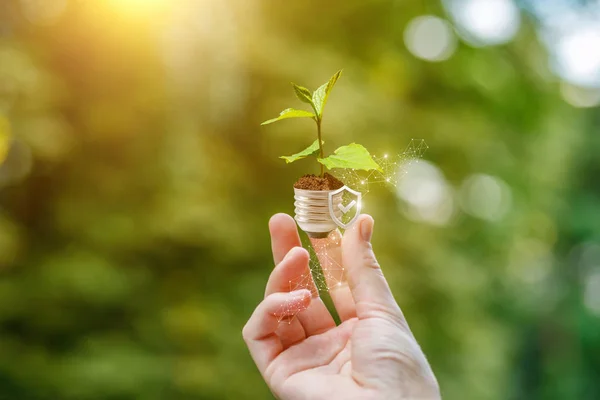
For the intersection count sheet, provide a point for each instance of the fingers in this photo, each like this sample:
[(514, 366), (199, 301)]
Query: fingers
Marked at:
[(369, 288), (284, 236), (259, 332), (316, 352), (292, 272), (329, 253)]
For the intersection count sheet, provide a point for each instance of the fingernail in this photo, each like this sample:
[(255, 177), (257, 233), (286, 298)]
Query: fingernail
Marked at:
[(366, 229), (299, 293), (290, 253)]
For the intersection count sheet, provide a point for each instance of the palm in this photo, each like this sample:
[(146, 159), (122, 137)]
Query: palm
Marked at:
[(351, 358), (327, 376)]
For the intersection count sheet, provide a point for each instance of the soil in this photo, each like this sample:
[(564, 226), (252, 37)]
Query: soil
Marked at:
[(314, 182)]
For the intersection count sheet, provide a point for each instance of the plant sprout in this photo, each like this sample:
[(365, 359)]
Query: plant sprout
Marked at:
[(352, 156)]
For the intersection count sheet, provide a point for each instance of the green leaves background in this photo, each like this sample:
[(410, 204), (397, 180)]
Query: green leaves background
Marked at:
[(4, 138), (134, 204)]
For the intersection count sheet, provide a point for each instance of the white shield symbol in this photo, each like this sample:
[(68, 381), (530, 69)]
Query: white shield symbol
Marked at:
[(337, 210)]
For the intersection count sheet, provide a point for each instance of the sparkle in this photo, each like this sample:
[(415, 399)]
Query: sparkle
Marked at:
[(392, 168), (325, 270), (326, 273)]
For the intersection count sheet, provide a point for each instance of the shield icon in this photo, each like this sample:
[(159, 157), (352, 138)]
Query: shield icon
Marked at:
[(338, 210)]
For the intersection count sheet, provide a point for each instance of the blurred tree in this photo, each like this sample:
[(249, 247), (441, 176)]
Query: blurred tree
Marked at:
[(138, 184)]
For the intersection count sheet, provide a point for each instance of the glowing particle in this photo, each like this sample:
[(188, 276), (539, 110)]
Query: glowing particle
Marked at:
[(430, 38), (486, 22)]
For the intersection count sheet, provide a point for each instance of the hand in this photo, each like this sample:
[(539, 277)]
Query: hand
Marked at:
[(298, 348)]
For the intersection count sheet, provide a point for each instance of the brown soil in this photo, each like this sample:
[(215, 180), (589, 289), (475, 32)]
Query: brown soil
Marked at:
[(313, 182)]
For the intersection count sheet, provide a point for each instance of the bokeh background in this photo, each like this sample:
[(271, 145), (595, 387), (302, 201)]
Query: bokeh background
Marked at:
[(136, 186)]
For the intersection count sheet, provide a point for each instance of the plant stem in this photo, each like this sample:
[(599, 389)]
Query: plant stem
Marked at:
[(321, 154)]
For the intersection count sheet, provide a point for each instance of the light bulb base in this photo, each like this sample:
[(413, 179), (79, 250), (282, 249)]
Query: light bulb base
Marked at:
[(312, 211)]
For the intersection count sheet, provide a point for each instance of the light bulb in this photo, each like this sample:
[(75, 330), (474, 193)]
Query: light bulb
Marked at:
[(312, 211)]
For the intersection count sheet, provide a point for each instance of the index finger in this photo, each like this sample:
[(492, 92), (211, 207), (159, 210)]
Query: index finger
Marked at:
[(283, 239)]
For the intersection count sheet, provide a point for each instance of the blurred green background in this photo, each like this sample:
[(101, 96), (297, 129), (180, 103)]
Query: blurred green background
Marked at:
[(137, 184)]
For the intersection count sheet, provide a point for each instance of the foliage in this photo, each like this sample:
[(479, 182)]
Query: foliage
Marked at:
[(290, 113), (135, 198), (310, 150), (353, 156), (4, 138)]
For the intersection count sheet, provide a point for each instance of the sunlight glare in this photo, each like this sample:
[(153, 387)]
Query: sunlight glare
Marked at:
[(139, 7), (485, 22)]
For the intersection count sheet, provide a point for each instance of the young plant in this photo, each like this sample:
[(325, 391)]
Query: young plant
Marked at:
[(352, 156)]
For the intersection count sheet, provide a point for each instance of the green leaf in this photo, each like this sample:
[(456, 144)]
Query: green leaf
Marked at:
[(302, 93), (353, 156), (290, 113), (319, 97), (313, 148)]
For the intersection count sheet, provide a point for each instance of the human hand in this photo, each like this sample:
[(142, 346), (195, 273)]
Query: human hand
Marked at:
[(372, 354)]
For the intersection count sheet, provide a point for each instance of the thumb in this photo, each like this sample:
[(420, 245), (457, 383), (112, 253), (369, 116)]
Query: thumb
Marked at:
[(369, 288)]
